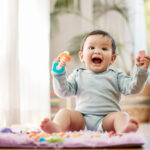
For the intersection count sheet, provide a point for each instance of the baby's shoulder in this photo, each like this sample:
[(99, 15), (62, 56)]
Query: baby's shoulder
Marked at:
[(76, 72), (115, 71), (79, 70)]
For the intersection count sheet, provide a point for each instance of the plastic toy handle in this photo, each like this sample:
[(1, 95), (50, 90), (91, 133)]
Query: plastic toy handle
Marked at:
[(64, 57), (59, 67)]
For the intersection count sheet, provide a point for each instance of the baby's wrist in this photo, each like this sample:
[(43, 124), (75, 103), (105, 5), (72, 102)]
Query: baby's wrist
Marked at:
[(141, 69)]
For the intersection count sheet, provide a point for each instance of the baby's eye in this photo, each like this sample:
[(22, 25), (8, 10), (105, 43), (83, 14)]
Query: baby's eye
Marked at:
[(91, 47), (104, 49)]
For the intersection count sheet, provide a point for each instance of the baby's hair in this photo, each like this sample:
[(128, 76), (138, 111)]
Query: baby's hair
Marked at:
[(95, 32)]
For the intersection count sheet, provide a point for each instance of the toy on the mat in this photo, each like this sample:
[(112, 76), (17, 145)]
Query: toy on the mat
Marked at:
[(6, 130), (142, 54), (51, 138), (58, 66)]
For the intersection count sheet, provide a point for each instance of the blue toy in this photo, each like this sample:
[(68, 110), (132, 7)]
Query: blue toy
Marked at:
[(41, 139)]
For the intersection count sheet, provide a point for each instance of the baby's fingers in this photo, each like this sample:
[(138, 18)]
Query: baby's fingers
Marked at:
[(145, 62), (148, 58), (138, 59), (56, 60)]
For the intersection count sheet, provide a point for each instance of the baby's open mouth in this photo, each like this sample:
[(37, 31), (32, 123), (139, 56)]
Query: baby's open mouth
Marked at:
[(96, 60)]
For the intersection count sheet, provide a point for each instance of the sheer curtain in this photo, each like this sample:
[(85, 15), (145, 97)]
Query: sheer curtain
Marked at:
[(137, 24), (24, 61)]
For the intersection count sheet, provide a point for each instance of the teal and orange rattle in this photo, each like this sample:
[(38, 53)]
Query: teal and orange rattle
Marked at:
[(58, 67)]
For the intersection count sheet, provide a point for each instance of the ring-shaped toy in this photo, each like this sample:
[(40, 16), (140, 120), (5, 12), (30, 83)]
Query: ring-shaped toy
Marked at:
[(56, 70)]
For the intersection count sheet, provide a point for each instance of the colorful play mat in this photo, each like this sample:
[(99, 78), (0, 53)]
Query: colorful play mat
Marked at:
[(82, 139)]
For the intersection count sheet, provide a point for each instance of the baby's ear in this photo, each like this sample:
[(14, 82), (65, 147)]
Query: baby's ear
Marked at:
[(81, 56), (113, 58)]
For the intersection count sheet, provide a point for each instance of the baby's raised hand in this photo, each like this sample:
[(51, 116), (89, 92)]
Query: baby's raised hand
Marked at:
[(56, 60), (60, 62), (143, 60)]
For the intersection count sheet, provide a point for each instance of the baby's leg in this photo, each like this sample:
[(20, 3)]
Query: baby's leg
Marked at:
[(120, 123), (65, 120)]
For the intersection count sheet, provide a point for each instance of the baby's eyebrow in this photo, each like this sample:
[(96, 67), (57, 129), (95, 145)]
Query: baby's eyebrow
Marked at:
[(91, 43), (105, 44)]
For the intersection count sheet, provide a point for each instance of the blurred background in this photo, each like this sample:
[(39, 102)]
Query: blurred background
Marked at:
[(34, 32), (127, 21), (24, 62)]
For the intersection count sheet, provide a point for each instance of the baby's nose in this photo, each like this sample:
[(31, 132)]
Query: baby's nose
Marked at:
[(97, 51)]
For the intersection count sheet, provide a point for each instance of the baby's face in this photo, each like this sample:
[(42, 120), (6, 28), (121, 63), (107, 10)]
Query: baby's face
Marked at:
[(97, 53)]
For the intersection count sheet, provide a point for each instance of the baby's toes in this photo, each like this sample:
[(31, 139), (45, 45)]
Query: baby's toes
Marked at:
[(45, 121), (135, 122), (42, 126)]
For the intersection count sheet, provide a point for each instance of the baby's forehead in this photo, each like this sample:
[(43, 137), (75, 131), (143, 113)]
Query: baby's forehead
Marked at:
[(98, 38)]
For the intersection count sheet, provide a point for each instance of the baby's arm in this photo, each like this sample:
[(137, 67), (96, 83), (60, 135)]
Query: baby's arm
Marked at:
[(135, 83), (64, 87), (132, 84)]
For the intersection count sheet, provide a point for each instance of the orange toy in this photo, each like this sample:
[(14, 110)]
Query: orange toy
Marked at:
[(64, 57)]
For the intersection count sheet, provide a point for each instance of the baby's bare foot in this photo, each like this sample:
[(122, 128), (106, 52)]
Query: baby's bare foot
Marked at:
[(131, 126), (48, 126)]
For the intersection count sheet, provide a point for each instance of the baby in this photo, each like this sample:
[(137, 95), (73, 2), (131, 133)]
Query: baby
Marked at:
[(97, 89)]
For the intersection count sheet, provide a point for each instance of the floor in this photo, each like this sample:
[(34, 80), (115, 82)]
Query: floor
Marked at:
[(144, 130)]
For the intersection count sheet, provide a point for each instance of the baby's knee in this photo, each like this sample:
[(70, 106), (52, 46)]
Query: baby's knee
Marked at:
[(122, 115), (64, 111)]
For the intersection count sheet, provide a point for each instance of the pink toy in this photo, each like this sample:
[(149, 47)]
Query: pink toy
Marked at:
[(142, 54)]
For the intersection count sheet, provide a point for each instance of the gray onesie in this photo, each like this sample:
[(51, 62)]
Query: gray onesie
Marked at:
[(98, 94)]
